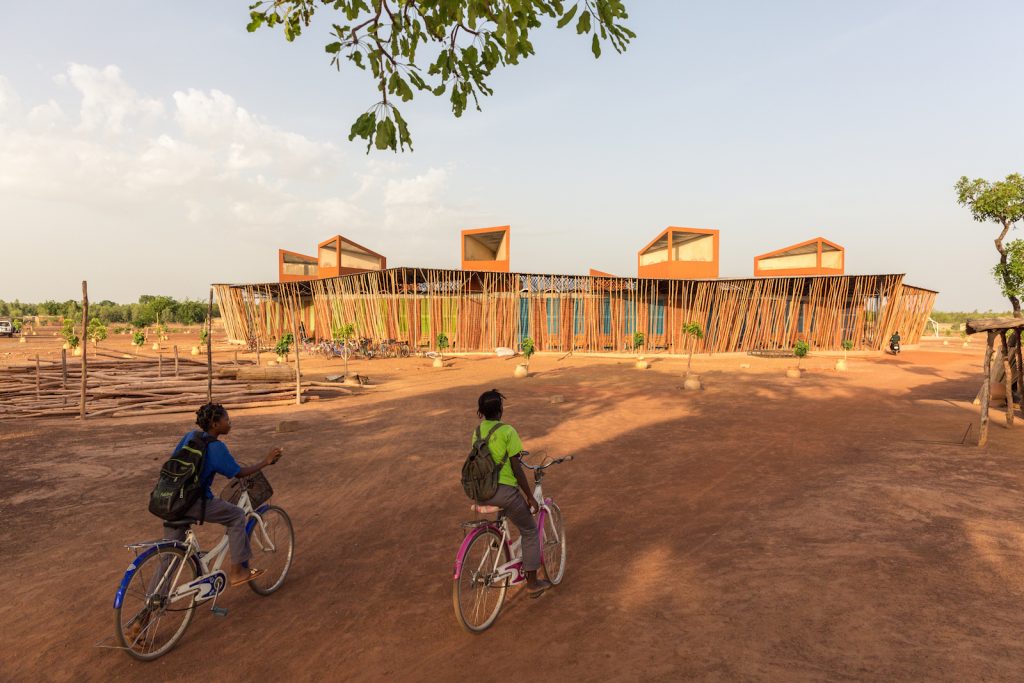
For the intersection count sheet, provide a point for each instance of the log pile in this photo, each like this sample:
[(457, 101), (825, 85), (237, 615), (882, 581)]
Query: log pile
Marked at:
[(123, 387)]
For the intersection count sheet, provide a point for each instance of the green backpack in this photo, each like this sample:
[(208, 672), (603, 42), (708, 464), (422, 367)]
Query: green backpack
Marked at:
[(480, 473)]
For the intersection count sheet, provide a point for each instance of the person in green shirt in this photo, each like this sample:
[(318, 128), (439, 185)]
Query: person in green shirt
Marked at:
[(504, 441), (894, 342)]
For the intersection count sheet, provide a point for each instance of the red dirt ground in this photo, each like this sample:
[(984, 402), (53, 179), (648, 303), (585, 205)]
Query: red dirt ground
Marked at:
[(825, 528)]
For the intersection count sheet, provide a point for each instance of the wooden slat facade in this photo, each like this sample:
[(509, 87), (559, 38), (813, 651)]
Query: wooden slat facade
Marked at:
[(480, 311)]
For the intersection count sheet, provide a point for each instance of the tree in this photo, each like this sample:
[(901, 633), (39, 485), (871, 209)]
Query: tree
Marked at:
[(442, 343), (693, 332), (847, 345), (800, 350), (1009, 273), (638, 340), (1000, 202), (341, 334), (284, 344), (464, 41), (528, 348), (97, 331)]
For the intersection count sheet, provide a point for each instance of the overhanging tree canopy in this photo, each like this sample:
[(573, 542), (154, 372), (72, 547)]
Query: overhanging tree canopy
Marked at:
[(466, 40)]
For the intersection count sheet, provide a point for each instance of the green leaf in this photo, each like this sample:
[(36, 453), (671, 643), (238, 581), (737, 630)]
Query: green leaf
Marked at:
[(256, 20), (332, 48), (595, 46), (564, 21), (583, 25)]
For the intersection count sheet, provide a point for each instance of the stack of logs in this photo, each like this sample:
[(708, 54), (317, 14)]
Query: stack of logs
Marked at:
[(119, 386), (1011, 363)]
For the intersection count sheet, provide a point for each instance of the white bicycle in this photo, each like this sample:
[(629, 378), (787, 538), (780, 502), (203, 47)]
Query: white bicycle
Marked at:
[(489, 563), (168, 579)]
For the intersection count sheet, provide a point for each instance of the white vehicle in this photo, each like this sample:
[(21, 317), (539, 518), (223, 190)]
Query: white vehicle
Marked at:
[(6, 327)]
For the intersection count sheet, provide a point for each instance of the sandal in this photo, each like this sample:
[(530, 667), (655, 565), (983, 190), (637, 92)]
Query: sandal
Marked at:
[(253, 574)]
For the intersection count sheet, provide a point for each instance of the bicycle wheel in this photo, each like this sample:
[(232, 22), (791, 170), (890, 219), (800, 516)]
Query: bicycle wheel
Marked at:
[(272, 549), (476, 595), (147, 623), (554, 544)]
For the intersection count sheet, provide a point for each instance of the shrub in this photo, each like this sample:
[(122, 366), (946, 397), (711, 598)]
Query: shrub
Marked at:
[(284, 344)]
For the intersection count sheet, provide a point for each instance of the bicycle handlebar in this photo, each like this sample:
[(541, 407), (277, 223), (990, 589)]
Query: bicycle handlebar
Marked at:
[(522, 454)]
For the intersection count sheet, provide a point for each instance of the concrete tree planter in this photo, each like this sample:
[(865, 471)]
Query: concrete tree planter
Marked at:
[(522, 370), (841, 365), (642, 364), (22, 340), (195, 350), (438, 363), (77, 351), (794, 373), (156, 346), (692, 383)]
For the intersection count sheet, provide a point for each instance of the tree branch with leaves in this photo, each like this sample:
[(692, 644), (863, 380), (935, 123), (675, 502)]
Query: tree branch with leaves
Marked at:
[(1000, 202), (443, 47)]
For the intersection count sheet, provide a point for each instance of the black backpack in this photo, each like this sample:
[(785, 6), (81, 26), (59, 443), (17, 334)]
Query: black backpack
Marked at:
[(179, 486), (480, 472)]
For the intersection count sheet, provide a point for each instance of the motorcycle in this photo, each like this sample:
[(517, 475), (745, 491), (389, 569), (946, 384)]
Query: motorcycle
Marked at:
[(895, 348)]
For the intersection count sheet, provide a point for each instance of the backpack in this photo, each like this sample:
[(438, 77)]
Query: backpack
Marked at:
[(178, 486), (480, 472)]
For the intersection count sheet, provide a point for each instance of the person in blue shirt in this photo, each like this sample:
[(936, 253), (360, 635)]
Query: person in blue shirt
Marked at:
[(214, 422)]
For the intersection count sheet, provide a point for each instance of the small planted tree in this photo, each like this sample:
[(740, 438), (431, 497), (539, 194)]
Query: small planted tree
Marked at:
[(138, 339), (204, 334), (284, 345), (69, 335), (341, 334), (16, 324), (638, 340), (97, 331), (800, 350), (693, 332), (442, 343), (529, 349), (847, 345)]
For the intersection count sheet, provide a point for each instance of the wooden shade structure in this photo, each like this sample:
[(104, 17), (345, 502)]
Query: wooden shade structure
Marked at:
[(1000, 328), (480, 310)]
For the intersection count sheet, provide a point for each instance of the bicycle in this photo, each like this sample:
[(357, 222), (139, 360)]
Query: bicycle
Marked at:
[(487, 564), (182, 577)]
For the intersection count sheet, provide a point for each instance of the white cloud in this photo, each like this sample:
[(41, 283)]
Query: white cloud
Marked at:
[(170, 193)]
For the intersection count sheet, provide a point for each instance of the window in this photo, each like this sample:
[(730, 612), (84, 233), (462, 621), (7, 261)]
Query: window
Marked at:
[(579, 322), (606, 314), (657, 314), (554, 310)]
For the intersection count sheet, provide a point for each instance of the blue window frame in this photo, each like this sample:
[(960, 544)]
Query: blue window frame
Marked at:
[(606, 314), (577, 316), (554, 310)]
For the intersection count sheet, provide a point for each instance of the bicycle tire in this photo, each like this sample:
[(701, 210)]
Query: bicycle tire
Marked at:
[(280, 532), (151, 629), (554, 551), (468, 586)]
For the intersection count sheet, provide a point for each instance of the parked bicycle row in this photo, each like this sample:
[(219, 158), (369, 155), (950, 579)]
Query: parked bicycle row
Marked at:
[(170, 577)]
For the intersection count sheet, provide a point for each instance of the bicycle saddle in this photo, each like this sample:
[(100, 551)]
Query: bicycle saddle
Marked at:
[(183, 523), (484, 509)]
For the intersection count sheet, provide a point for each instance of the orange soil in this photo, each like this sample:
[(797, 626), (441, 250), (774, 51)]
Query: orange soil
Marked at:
[(825, 528)]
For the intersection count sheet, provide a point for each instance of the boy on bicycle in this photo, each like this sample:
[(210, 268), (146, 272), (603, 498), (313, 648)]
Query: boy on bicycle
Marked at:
[(214, 422), (518, 508)]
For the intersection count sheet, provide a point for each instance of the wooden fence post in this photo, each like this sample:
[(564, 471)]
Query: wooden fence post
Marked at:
[(85, 327), (209, 349), (175, 360), (1007, 379), (298, 367), (64, 368), (160, 364), (38, 379), (986, 390)]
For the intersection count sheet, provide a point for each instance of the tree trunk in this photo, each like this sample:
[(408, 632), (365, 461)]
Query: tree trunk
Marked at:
[(1007, 284)]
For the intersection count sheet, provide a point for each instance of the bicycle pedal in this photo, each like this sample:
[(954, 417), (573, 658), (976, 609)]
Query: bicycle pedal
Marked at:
[(219, 611)]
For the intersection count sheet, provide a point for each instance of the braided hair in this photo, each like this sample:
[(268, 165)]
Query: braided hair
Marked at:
[(490, 405), (208, 414)]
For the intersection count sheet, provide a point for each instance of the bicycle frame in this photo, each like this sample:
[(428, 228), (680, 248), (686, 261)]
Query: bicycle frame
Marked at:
[(514, 567), (210, 583)]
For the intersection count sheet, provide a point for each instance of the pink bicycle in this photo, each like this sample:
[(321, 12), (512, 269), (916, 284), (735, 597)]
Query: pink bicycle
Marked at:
[(488, 563)]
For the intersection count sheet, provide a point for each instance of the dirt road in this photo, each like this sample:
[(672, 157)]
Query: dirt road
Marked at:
[(826, 528)]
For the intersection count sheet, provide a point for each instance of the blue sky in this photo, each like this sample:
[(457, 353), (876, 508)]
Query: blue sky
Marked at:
[(157, 147)]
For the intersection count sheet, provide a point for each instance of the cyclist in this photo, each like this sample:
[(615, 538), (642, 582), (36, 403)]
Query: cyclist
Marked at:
[(213, 421), (518, 508)]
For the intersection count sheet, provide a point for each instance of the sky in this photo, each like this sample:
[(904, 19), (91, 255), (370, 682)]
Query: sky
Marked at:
[(157, 147)]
